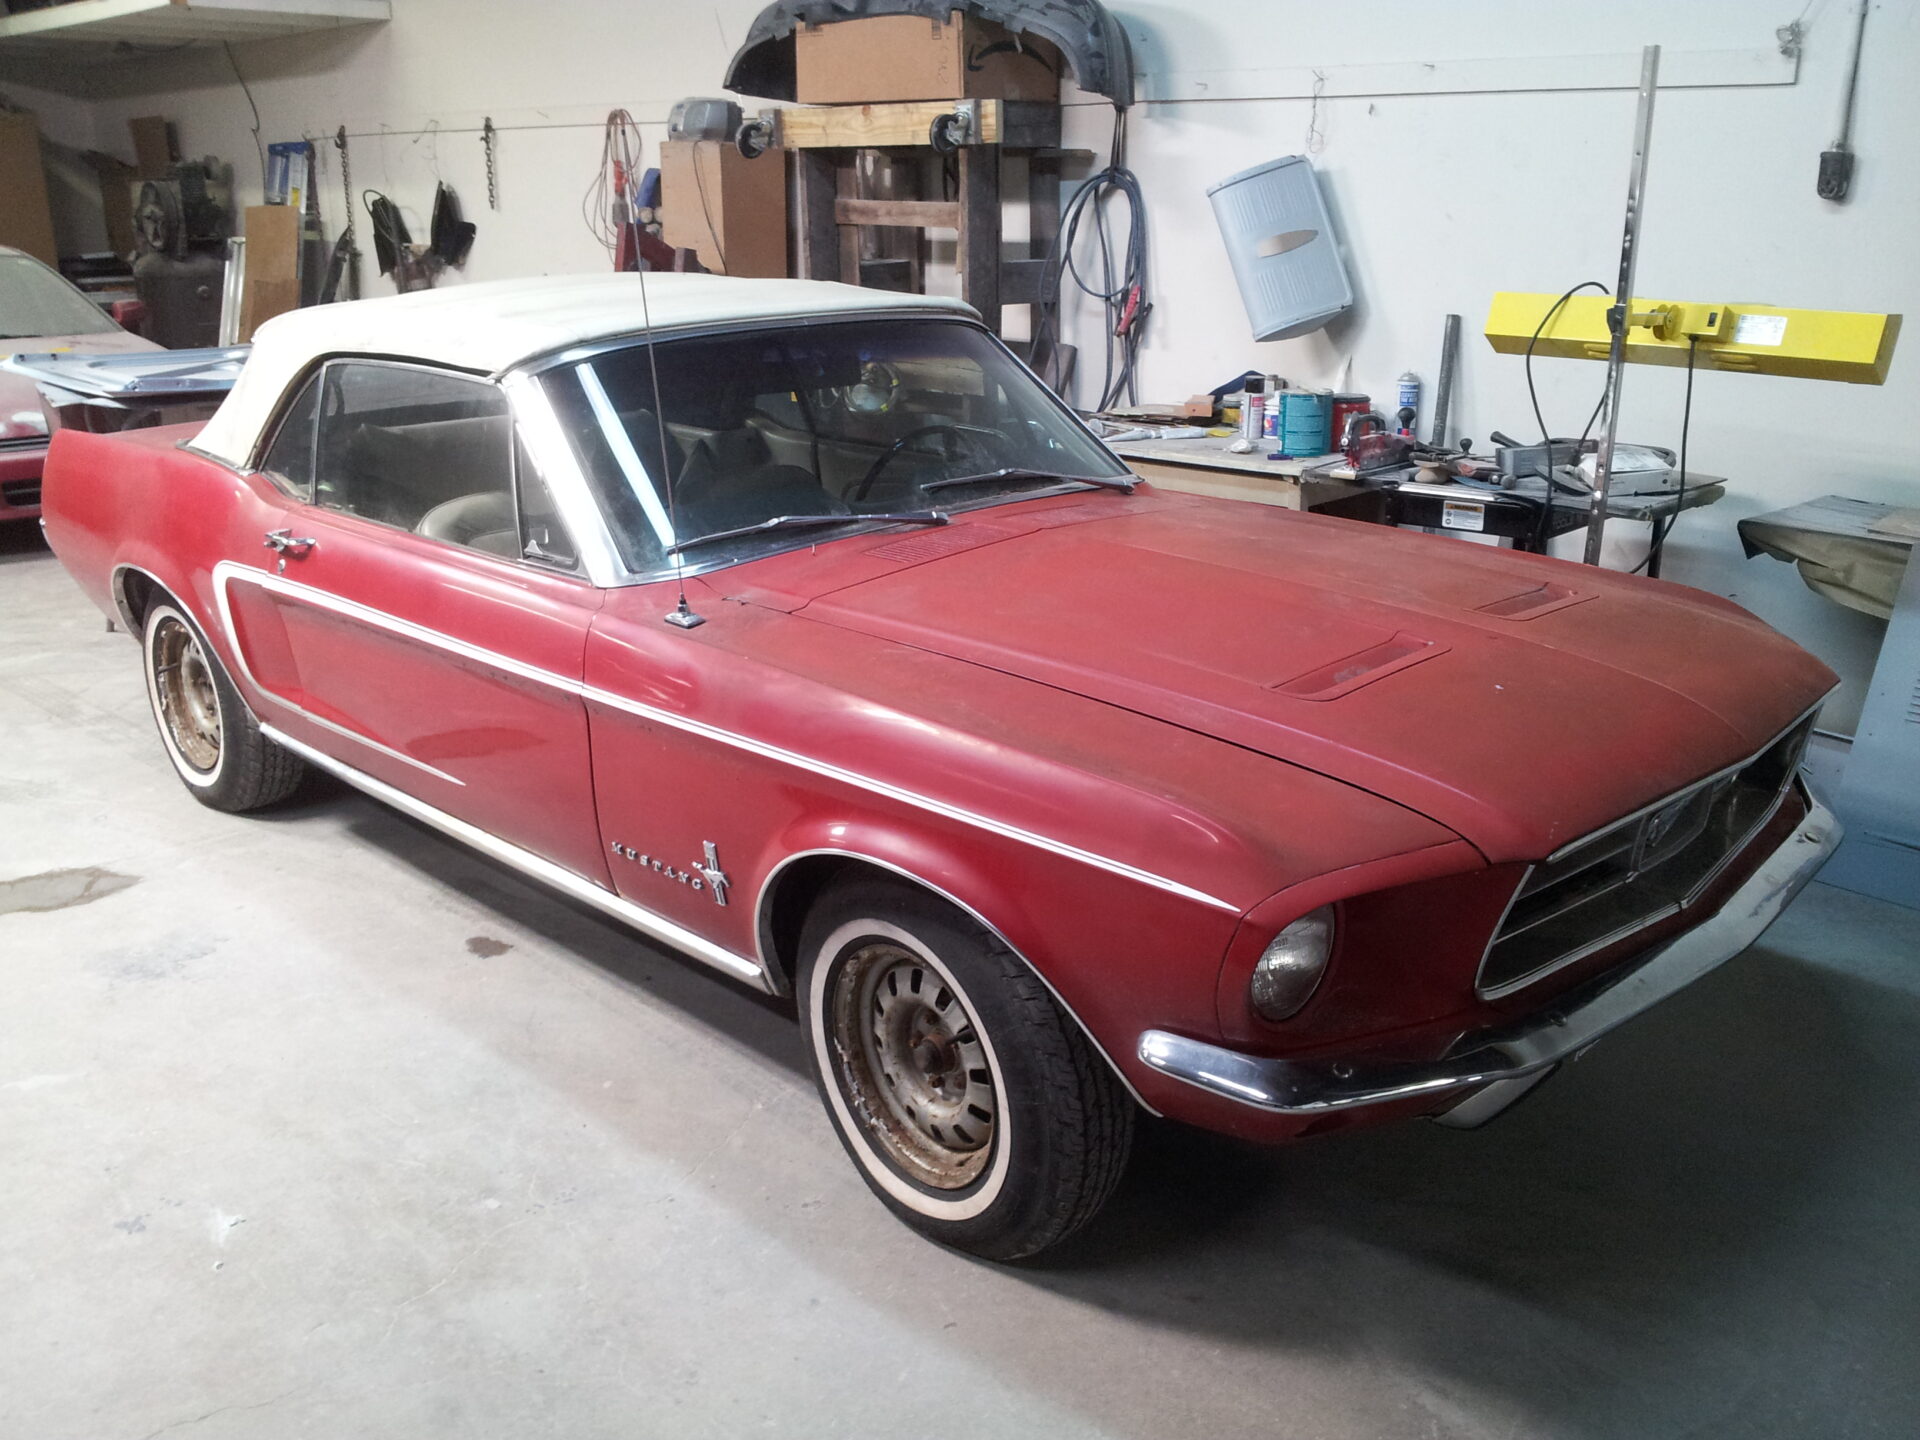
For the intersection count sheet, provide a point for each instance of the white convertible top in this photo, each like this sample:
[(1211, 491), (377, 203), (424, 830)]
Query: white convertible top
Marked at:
[(493, 326)]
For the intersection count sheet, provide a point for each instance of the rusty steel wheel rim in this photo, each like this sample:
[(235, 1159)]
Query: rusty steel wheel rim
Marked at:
[(189, 704), (913, 1065)]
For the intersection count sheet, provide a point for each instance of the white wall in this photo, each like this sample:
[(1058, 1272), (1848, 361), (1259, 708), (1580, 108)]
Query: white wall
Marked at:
[(1442, 198)]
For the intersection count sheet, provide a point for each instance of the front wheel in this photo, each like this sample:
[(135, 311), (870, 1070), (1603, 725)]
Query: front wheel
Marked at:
[(974, 1107), (209, 734)]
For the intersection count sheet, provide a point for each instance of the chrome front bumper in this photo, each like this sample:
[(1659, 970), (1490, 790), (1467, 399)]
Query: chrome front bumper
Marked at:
[(1534, 1045)]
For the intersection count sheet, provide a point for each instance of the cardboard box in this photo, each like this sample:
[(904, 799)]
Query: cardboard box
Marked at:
[(26, 215), (907, 57), (272, 284), (117, 187), (730, 210), (153, 151)]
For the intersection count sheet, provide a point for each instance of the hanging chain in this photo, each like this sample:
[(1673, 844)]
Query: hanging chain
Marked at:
[(493, 183), (346, 181)]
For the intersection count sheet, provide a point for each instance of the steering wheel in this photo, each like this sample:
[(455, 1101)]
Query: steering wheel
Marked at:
[(982, 440)]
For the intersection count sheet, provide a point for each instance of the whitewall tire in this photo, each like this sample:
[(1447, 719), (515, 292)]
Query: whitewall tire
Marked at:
[(969, 1100), (210, 736)]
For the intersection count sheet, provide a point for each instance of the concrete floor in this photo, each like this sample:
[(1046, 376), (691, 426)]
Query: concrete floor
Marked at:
[(318, 1125)]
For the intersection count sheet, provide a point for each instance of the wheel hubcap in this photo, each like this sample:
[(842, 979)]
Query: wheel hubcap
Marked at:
[(188, 704), (913, 1065)]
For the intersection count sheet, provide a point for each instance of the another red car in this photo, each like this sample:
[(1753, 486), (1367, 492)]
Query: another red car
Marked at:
[(819, 641), (40, 310)]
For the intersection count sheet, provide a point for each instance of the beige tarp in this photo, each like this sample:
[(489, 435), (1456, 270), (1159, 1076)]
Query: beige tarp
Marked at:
[(1840, 554)]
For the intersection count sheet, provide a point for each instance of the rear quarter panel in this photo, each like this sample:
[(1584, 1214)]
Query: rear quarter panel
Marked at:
[(136, 499)]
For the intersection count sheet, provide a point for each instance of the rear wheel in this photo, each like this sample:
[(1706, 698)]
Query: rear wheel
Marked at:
[(974, 1107), (209, 734)]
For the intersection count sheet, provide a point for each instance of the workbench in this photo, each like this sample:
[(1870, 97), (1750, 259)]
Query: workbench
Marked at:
[(1327, 485), (1205, 466)]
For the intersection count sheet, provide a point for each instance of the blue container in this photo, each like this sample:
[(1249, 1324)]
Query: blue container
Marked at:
[(1306, 422)]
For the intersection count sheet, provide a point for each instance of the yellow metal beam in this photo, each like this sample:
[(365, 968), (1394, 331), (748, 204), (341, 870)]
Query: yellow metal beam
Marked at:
[(1751, 339)]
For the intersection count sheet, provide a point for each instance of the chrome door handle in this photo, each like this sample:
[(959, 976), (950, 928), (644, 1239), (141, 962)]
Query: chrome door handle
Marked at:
[(288, 543)]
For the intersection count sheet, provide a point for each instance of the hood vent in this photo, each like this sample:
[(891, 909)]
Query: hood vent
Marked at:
[(1330, 682)]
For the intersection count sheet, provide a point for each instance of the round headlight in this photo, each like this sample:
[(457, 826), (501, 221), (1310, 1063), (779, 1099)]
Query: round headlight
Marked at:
[(1283, 981)]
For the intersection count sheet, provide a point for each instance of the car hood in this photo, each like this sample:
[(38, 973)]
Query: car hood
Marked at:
[(1520, 701), (20, 415)]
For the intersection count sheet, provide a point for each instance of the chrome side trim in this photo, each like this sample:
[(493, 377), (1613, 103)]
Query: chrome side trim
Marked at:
[(395, 625), (1566, 1027), (776, 982), (656, 927), (226, 571)]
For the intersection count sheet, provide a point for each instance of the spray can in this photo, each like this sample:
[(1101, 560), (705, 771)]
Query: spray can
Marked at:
[(1253, 411), (1270, 428), (1409, 399)]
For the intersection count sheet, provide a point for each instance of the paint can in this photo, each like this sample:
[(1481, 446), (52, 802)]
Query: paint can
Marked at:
[(1306, 422)]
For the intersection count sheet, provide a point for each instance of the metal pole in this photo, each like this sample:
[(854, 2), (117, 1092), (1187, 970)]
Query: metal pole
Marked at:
[(1443, 393), (1618, 316)]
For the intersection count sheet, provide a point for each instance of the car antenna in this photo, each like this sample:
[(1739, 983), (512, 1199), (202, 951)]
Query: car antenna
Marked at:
[(681, 614)]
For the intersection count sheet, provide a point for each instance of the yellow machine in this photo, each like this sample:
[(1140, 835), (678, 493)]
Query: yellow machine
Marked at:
[(1750, 339)]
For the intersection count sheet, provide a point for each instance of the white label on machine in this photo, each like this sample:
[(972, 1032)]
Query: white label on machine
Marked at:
[(1462, 515), (1760, 330)]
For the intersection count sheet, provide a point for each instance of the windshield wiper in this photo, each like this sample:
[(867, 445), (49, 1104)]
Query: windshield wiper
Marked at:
[(801, 522), (1017, 472)]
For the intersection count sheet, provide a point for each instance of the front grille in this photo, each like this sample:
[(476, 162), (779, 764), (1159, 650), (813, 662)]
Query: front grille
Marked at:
[(1636, 871), (20, 492)]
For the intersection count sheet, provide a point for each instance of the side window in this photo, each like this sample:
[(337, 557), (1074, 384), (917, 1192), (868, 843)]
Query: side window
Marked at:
[(543, 538), (289, 460), (428, 452)]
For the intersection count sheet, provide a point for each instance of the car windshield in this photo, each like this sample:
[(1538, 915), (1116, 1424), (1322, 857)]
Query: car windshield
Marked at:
[(844, 423), (36, 301)]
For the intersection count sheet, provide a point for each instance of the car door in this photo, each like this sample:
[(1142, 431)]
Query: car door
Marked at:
[(417, 612)]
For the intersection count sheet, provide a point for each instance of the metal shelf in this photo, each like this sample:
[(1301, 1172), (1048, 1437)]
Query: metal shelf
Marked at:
[(87, 27)]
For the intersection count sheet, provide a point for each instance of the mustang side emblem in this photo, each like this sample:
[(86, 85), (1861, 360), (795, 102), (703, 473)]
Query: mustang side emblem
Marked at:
[(708, 877)]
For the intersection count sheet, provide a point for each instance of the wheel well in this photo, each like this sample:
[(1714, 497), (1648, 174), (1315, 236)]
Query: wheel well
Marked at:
[(135, 590), (783, 914)]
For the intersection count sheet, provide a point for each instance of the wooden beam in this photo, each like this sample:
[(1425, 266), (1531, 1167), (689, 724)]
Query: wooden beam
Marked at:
[(1025, 124), (1020, 281), (914, 214), (875, 127), (888, 275), (978, 259), (819, 256)]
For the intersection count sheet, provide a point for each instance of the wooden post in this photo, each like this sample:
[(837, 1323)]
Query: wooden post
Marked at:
[(818, 233), (979, 253)]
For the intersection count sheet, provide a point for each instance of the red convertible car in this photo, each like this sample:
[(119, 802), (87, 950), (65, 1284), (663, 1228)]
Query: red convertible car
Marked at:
[(818, 640)]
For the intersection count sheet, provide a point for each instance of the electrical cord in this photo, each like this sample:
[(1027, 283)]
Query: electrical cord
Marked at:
[(1121, 286), (247, 90), (706, 211), (1546, 320), (1650, 562), (1544, 522), (614, 182)]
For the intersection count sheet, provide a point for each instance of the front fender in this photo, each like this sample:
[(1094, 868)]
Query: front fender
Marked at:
[(1109, 953)]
